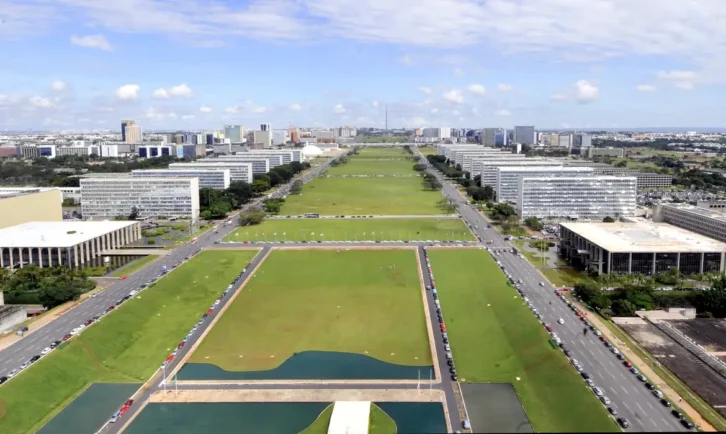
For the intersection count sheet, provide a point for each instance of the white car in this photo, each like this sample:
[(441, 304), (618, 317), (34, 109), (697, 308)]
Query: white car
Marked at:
[(614, 350), (541, 284), (560, 321), (12, 373), (45, 351), (597, 333), (216, 303), (134, 292), (598, 391)]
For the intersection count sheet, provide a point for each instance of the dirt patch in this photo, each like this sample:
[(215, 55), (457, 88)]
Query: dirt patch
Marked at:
[(703, 380)]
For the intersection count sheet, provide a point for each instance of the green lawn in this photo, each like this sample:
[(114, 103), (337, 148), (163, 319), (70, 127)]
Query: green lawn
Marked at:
[(366, 166), (427, 150), (354, 229), (564, 276), (128, 345), (495, 338), (370, 152), (135, 266), (327, 301), (379, 422), (363, 196)]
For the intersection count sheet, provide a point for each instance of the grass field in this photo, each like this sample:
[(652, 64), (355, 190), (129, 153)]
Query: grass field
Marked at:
[(427, 150), (499, 339), (397, 152), (378, 423), (367, 166), (363, 196), (128, 345), (134, 266), (354, 229), (326, 301)]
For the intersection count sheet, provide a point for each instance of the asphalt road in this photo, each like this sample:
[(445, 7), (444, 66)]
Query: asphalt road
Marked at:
[(627, 394)]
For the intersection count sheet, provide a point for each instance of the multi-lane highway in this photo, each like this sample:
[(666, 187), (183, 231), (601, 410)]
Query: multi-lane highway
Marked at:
[(628, 395), (13, 356)]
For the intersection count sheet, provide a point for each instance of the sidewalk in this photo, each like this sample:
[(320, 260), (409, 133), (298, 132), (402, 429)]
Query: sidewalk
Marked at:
[(646, 370)]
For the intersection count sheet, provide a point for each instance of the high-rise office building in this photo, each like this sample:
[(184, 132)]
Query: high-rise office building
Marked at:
[(235, 133), (124, 125), (524, 135), (489, 137), (266, 127), (133, 134)]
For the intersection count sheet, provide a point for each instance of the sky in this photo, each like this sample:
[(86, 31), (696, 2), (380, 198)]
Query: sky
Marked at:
[(201, 64)]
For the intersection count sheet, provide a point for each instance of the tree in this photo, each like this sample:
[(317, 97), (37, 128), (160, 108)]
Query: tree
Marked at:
[(275, 178), (260, 186), (296, 187), (534, 223), (623, 308), (240, 191), (608, 219), (419, 167), (252, 216), (621, 163), (501, 211), (69, 201), (134, 213)]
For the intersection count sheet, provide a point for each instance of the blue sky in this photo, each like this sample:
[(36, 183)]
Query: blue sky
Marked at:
[(193, 64)]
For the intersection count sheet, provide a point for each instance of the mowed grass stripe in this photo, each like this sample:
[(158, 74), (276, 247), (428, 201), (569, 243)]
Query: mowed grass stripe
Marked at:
[(128, 345), (354, 229), (496, 338), (363, 196), (321, 300), (366, 166)]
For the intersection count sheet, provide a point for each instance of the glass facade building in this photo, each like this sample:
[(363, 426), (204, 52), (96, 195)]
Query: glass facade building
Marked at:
[(210, 178), (238, 171), (588, 198), (507, 186), (107, 198)]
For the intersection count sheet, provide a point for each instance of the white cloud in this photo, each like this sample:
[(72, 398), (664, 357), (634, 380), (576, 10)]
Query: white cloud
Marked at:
[(233, 109), (505, 87), (559, 97), (681, 79), (179, 91), (646, 88), (454, 95), (339, 108), (40, 102), (295, 107), (502, 112), (59, 86), (426, 90), (187, 117), (477, 89), (128, 92), (205, 109), (259, 109), (586, 92), (92, 41)]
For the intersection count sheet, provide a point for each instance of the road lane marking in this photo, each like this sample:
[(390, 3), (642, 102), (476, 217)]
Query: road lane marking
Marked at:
[(624, 389)]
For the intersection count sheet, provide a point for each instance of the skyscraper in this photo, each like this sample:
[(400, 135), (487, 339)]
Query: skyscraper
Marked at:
[(488, 137), (124, 125), (234, 133), (524, 135), (266, 127), (133, 134)]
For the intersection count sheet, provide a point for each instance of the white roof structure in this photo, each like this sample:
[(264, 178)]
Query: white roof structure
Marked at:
[(57, 234), (644, 237), (311, 151)]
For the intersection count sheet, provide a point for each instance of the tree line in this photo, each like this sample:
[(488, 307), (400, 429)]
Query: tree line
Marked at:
[(49, 286), (624, 301), (216, 204)]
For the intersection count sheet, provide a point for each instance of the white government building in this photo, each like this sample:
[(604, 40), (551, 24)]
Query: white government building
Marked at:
[(507, 186), (210, 178), (107, 198), (581, 197), (238, 171), (63, 243)]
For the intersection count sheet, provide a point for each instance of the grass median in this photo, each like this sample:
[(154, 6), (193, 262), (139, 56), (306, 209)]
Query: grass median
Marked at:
[(364, 196), (496, 339), (373, 167), (135, 266), (127, 345), (354, 230), (366, 302)]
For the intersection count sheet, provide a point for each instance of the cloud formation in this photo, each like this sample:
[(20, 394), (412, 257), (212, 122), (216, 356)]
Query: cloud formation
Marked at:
[(92, 41), (339, 109), (477, 89), (454, 95), (586, 92), (179, 91), (128, 92)]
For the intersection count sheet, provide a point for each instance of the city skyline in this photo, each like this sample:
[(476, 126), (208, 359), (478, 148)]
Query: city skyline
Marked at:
[(197, 65)]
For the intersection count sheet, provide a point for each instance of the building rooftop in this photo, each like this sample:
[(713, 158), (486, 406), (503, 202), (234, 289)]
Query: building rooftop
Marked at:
[(705, 212), (57, 234), (644, 237), (7, 192)]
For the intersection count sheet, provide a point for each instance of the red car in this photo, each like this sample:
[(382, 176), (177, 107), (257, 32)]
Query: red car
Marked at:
[(582, 318), (249, 264), (578, 313), (443, 328), (129, 402), (110, 308), (602, 338), (123, 410), (66, 337), (123, 277), (627, 364), (181, 345), (548, 328), (209, 312)]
